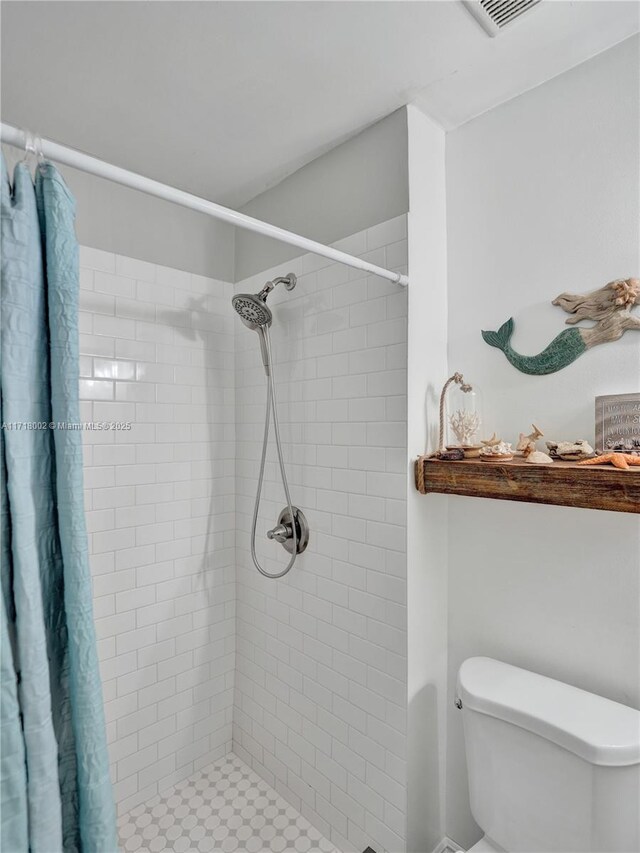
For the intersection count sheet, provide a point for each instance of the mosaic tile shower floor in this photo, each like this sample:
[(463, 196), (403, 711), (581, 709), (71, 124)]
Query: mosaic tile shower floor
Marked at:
[(225, 807)]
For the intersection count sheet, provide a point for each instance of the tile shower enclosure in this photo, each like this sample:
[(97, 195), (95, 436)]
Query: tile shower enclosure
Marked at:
[(304, 678)]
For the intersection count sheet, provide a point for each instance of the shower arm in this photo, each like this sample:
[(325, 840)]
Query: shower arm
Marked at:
[(288, 281)]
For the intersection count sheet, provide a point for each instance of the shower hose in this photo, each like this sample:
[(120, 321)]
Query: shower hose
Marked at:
[(272, 405)]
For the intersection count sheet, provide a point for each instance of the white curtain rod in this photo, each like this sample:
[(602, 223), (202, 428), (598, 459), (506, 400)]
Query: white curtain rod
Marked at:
[(77, 160)]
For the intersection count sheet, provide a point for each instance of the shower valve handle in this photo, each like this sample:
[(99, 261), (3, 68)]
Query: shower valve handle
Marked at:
[(281, 532)]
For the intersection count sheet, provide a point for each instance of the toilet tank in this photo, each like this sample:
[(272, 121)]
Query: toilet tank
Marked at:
[(552, 769)]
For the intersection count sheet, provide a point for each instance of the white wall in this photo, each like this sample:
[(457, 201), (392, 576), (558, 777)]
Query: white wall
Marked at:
[(123, 221), (127, 222), (357, 184), (542, 197), (426, 517), (157, 350), (320, 706)]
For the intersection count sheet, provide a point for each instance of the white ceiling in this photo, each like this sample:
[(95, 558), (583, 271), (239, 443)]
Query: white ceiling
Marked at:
[(224, 99)]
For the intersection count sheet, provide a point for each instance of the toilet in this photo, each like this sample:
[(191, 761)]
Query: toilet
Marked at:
[(552, 769)]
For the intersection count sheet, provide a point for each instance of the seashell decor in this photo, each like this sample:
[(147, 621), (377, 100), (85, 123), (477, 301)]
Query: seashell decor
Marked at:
[(499, 450), (570, 451), (537, 457), (527, 443)]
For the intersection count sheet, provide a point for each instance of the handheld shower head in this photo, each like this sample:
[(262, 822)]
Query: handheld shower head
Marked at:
[(252, 307), (252, 310), (255, 315)]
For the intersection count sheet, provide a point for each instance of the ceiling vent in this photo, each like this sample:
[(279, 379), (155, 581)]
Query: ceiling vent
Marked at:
[(495, 15)]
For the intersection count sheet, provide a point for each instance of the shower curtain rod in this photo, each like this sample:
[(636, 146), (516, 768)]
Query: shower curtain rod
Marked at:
[(78, 160)]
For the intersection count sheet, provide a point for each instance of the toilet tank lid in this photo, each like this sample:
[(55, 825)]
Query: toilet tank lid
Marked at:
[(597, 729)]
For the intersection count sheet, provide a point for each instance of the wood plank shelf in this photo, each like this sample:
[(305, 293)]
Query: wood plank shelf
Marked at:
[(560, 484)]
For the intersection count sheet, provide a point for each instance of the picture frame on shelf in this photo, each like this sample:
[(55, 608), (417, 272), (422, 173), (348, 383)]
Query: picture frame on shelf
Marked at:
[(618, 423)]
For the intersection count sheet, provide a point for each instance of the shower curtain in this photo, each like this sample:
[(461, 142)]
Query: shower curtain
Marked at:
[(55, 788)]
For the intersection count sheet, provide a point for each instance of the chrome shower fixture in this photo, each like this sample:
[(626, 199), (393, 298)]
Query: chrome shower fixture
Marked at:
[(289, 282), (254, 313), (252, 310), (283, 532), (252, 307), (291, 530)]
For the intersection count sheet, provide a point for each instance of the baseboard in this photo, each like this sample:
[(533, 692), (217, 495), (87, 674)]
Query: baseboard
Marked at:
[(448, 845)]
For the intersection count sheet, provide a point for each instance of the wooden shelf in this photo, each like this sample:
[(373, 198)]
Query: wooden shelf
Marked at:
[(560, 484)]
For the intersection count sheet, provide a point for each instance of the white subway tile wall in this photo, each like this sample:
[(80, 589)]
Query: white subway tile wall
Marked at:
[(157, 351), (320, 698), (320, 694)]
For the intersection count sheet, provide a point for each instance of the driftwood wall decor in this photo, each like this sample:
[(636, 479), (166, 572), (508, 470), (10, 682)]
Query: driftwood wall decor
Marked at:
[(610, 307)]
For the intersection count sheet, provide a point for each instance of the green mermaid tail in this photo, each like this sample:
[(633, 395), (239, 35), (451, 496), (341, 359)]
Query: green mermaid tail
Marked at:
[(562, 350)]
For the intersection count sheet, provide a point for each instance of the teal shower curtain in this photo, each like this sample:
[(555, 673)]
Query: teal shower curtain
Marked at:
[(55, 789)]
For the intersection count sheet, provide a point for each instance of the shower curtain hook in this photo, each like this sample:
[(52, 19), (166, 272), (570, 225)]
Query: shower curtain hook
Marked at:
[(39, 152), (29, 147)]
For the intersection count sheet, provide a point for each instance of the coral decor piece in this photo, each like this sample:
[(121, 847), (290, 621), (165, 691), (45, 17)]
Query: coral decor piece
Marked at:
[(618, 460), (610, 307), (458, 379), (464, 425)]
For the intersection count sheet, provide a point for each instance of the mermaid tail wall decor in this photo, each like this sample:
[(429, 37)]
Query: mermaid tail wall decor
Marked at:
[(610, 306), (562, 350)]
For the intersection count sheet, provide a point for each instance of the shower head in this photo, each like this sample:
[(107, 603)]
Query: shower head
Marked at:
[(252, 309), (255, 315)]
